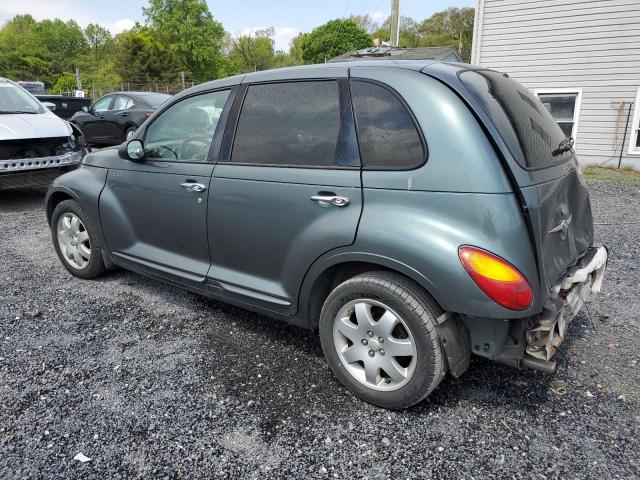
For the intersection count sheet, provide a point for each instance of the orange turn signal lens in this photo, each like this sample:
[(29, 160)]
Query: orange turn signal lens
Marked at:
[(497, 278)]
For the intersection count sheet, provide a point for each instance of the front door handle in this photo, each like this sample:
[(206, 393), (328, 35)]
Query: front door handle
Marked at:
[(330, 199), (194, 186), (125, 114)]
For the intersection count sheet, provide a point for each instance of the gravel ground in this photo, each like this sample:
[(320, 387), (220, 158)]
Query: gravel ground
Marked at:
[(153, 382)]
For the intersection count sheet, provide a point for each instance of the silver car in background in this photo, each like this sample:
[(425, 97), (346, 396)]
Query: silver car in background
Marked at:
[(36, 146)]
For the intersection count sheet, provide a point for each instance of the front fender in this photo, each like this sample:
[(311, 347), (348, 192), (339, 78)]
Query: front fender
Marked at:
[(84, 185)]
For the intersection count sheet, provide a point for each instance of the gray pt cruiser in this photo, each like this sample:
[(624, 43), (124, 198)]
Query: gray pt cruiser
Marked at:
[(414, 213)]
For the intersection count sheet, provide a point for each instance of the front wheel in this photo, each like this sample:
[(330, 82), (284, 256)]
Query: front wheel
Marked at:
[(378, 333), (75, 241)]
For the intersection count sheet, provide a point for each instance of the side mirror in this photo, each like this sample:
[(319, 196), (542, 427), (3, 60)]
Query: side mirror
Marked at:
[(132, 150), (85, 109)]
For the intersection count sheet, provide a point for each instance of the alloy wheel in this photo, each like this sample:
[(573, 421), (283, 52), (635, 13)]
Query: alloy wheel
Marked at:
[(73, 240), (374, 344)]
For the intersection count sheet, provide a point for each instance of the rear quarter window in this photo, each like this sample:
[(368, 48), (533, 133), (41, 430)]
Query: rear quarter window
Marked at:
[(387, 134), (526, 126)]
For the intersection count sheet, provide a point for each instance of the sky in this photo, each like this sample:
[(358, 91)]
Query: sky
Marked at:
[(288, 17)]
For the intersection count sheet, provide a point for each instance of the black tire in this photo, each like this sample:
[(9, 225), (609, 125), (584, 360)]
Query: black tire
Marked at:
[(95, 266), (419, 313), (129, 130)]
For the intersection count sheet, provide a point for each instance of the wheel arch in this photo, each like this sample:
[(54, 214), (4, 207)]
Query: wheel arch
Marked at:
[(326, 273), (55, 197), (127, 126)]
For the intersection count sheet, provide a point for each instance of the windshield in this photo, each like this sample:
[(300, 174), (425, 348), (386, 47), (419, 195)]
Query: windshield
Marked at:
[(14, 99), (154, 100), (34, 88)]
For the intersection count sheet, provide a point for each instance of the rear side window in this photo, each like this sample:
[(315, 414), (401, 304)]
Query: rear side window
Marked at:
[(122, 103), (526, 126), (387, 134), (290, 123)]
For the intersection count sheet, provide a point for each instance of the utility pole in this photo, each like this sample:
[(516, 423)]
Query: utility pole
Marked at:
[(182, 78), (78, 81), (395, 23)]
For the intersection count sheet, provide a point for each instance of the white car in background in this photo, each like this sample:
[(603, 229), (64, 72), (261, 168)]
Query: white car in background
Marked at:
[(35, 145)]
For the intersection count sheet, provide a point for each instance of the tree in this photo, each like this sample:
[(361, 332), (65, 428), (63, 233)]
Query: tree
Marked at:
[(65, 83), (332, 39), (188, 30), (253, 53), (453, 26), (139, 57), (97, 37), (22, 54), (64, 42), (365, 22), (409, 32), (295, 49)]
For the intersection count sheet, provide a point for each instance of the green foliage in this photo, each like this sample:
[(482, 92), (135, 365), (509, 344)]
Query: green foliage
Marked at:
[(182, 36), (98, 39), (450, 28), (65, 83), (295, 50), (365, 22), (252, 53), (453, 26), (64, 41), (409, 35), (332, 39), (190, 34), (142, 58)]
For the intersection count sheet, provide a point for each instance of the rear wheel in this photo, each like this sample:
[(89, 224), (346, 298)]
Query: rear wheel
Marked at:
[(378, 333), (75, 241)]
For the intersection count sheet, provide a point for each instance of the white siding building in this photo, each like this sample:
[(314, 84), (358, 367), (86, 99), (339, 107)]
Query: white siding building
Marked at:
[(581, 57)]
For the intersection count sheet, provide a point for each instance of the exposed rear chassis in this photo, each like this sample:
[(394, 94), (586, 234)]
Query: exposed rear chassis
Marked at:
[(567, 299), (530, 342)]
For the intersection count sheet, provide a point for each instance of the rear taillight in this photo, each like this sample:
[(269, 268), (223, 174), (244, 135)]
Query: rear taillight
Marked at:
[(148, 114), (496, 277)]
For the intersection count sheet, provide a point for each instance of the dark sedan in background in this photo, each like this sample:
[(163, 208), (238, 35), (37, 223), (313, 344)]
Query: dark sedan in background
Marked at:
[(115, 117)]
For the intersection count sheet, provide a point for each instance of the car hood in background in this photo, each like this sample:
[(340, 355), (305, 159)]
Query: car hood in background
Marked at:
[(26, 125)]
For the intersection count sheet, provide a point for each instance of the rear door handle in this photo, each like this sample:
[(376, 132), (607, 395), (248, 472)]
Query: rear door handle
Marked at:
[(330, 199), (125, 114), (194, 186)]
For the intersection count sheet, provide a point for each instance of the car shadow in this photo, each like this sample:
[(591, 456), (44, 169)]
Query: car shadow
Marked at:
[(22, 200), (294, 357)]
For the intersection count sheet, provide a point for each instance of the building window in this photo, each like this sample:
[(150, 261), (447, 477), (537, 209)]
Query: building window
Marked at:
[(634, 143), (564, 106)]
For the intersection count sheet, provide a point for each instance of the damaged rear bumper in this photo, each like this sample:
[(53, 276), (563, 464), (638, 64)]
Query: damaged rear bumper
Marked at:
[(567, 299), (530, 342)]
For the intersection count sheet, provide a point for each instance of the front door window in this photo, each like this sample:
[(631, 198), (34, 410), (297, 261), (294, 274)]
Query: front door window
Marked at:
[(185, 130), (103, 104)]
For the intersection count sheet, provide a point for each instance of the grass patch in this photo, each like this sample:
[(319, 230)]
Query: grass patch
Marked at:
[(627, 175)]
